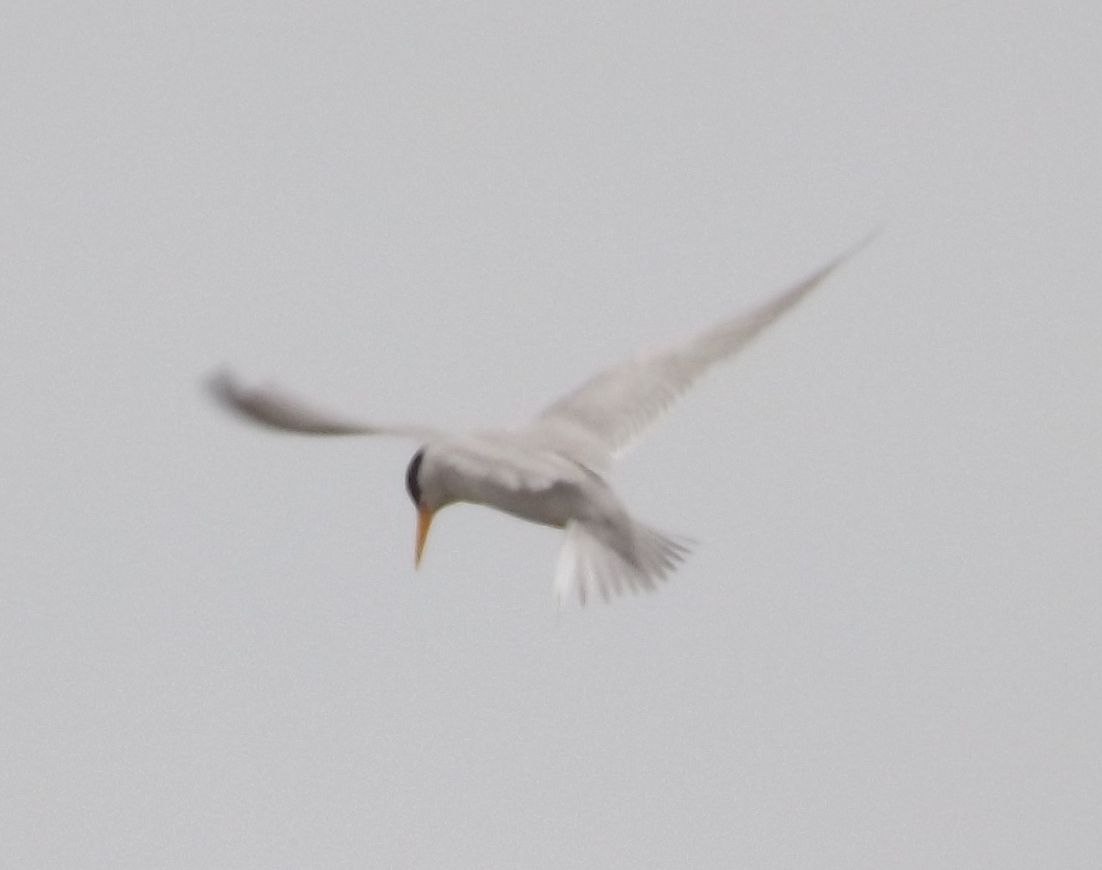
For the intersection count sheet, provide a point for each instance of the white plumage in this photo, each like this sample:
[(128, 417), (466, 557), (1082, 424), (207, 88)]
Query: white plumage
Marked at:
[(549, 470)]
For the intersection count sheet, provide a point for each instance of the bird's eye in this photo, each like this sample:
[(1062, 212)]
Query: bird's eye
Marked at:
[(413, 485)]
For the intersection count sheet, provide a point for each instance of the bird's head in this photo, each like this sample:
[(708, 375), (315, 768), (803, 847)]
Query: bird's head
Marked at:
[(425, 508)]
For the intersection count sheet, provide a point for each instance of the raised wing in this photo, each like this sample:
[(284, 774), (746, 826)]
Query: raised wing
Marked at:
[(276, 410), (597, 422)]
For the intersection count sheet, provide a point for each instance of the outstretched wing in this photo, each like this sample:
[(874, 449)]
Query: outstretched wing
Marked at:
[(270, 407), (597, 422)]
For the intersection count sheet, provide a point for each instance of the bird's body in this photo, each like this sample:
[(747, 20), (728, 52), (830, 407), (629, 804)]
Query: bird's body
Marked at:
[(549, 471), (610, 550), (537, 485)]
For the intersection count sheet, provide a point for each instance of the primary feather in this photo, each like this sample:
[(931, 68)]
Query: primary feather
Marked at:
[(268, 406)]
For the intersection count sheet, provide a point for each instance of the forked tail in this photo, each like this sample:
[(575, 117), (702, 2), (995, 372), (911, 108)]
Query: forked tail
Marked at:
[(587, 565)]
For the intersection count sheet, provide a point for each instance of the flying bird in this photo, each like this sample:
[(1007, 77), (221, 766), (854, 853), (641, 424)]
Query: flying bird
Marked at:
[(550, 469)]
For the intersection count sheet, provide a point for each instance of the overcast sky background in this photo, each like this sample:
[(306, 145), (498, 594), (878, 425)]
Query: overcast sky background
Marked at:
[(886, 650)]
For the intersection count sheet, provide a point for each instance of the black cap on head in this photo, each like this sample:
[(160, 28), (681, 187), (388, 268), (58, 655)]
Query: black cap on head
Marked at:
[(413, 485)]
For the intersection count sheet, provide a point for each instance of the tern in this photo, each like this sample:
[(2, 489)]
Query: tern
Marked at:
[(549, 470)]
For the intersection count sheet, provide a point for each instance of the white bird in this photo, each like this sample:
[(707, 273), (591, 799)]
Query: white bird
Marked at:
[(549, 470)]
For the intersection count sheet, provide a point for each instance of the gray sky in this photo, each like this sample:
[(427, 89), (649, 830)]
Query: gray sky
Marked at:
[(886, 650)]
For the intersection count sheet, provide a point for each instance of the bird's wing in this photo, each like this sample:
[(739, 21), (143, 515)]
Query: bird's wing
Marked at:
[(270, 407), (598, 421)]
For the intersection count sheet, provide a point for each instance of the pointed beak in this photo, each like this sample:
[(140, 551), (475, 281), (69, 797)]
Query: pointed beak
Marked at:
[(424, 520)]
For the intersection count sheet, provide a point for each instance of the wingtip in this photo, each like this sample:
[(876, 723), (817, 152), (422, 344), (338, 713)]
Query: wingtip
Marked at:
[(223, 386), (228, 391), (860, 244), (816, 278), (220, 383)]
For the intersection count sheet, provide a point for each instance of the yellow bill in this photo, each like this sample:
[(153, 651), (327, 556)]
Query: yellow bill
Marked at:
[(424, 520)]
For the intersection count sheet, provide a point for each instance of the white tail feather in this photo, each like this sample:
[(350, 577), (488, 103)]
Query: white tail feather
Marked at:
[(587, 565)]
